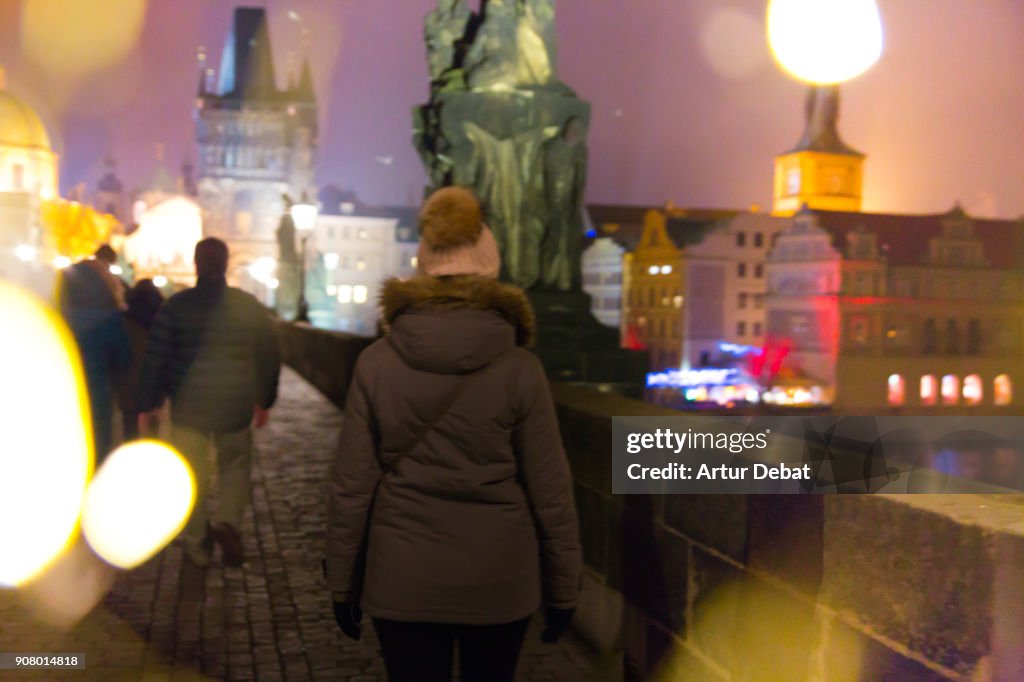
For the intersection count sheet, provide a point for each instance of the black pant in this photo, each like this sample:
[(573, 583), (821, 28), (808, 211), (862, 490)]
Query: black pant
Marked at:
[(424, 652)]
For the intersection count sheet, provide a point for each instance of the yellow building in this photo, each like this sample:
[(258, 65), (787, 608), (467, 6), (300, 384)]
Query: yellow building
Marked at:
[(820, 172), (28, 176)]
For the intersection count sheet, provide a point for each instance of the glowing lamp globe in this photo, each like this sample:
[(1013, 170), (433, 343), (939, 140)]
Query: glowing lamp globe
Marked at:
[(825, 42), (138, 502), (304, 216), (46, 439)]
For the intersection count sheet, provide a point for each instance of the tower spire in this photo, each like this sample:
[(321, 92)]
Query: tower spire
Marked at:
[(821, 118)]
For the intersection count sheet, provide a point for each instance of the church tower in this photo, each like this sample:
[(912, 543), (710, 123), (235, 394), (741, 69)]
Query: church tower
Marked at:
[(110, 195), (821, 171), (256, 143)]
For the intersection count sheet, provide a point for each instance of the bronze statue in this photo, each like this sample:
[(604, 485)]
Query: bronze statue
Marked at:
[(565, 177), (445, 28), (286, 254), (501, 123)]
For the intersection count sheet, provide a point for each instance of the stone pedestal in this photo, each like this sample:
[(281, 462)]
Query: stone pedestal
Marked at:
[(575, 347)]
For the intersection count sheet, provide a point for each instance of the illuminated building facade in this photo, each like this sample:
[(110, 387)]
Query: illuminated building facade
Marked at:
[(914, 313), (256, 142), (821, 171), (28, 176), (353, 249), (602, 280)]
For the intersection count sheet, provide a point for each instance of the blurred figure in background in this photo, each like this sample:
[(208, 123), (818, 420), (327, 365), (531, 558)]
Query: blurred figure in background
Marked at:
[(144, 301), (90, 299), (213, 352)]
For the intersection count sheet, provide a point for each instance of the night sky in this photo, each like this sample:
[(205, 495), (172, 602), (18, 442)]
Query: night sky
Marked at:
[(687, 103)]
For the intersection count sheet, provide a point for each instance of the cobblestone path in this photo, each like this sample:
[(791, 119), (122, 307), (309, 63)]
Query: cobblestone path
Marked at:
[(269, 620)]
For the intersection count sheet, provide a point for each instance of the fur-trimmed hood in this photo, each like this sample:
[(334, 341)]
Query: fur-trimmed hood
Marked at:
[(454, 324)]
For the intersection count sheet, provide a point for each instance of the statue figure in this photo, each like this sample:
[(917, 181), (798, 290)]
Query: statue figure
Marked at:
[(491, 60), (565, 177), (534, 56), (286, 254), (502, 173), (445, 28)]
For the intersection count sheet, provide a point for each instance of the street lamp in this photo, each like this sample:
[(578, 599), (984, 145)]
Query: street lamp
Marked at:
[(304, 216), (825, 42)]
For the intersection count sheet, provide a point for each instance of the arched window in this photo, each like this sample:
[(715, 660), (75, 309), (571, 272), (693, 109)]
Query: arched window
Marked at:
[(1002, 390), (897, 389), (973, 391), (950, 389), (929, 390)]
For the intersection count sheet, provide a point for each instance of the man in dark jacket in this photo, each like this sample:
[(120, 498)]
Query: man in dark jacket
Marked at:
[(91, 300), (213, 352)]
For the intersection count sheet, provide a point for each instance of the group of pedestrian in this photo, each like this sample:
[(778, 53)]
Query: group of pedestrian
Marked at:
[(450, 508)]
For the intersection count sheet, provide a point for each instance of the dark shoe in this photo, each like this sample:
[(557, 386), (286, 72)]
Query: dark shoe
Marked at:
[(230, 541), (199, 556)]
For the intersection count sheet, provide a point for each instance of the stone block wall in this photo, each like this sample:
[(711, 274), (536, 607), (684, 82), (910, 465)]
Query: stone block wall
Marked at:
[(745, 588)]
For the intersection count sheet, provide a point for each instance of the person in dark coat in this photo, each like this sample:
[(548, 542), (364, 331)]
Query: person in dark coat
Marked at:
[(89, 301), (143, 301), (450, 512), (213, 352)]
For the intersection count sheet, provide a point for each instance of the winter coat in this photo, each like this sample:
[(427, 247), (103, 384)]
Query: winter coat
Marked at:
[(213, 351), (476, 524), (90, 308), (127, 381)]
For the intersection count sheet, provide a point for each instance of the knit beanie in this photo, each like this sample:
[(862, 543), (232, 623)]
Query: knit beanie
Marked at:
[(453, 237)]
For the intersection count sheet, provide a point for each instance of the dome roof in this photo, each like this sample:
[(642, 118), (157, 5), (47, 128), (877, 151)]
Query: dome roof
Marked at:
[(20, 125)]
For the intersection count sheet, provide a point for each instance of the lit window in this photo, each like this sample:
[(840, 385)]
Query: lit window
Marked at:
[(1002, 389), (18, 171), (929, 390), (414, 261), (332, 290), (973, 390), (666, 269), (345, 293), (654, 270), (359, 293), (678, 301), (950, 389), (360, 264), (362, 234), (897, 389)]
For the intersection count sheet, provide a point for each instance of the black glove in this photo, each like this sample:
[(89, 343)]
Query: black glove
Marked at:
[(556, 622), (349, 617)]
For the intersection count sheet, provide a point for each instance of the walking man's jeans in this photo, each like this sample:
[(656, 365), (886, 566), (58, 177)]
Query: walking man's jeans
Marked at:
[(424, 652), (234, 461)]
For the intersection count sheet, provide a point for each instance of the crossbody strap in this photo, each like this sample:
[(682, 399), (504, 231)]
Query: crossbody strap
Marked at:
[(446, 405)]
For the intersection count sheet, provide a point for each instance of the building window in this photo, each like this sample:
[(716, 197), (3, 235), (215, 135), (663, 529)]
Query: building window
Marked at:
[(741, 301), (897, 390), (929, 390), (741, 329), (1002, 390), (952, 337), (973, 390), (741, 239), (758, 271), (973, 337), (362, 234), (758, 301), (859, 329), (18, 177), (741, 269), (345, 293), (929, 337), (650, 297), (758, 239), (359, 294), (757, 329), (950, 389)]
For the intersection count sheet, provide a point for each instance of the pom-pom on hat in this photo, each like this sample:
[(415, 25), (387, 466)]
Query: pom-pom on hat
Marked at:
[(453, 237)]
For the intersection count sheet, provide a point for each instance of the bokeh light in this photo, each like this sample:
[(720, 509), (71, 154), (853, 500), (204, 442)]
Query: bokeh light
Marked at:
[(138, 501), (45, 443), (71, 38), (730, 41), (825, 41)]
